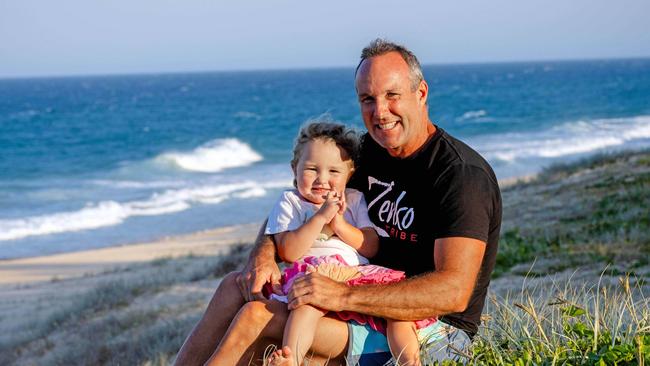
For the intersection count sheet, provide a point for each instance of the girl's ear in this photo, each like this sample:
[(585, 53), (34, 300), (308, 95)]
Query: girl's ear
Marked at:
[(350, 174), (295, 181)]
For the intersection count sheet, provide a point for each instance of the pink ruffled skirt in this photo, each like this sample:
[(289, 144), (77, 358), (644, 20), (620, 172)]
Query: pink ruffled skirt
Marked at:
[(367, 274)]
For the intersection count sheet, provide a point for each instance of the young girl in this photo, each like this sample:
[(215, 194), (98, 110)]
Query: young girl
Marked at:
[(322, 226)]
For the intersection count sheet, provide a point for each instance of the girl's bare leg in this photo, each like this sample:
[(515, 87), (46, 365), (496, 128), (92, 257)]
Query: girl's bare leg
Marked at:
[(403, 342), (298, 336)]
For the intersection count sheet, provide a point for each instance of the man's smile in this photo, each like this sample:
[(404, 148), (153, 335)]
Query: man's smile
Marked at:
[(387, 126)]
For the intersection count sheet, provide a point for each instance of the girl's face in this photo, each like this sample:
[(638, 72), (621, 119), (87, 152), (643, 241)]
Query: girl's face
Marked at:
[(322, 167)]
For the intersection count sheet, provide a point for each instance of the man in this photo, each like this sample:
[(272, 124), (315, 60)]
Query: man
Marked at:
[(436, 199)]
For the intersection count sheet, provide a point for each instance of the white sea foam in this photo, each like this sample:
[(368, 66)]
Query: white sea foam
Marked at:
[(213, 156), (248, 115), (109, 213), (473, 114), (573, 138), (24, 114), (251, 193), (477, 116), (129, 184)]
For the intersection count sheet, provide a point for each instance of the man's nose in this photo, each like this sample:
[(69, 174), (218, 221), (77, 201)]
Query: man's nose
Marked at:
[(381, 109)]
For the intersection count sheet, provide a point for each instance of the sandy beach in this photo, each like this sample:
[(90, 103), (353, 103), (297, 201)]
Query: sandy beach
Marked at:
[(90, 262)]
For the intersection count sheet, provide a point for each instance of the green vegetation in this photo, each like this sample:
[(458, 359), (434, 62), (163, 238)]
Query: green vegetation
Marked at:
[(600, 325), (597, 211), (608, 325)]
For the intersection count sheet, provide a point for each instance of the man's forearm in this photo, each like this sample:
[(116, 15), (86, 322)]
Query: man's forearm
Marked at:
[(443, 291), (431, 295), (260, 269), (264, 248)]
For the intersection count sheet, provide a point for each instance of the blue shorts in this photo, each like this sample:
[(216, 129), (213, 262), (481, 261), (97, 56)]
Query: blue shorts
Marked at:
[(438, 342)]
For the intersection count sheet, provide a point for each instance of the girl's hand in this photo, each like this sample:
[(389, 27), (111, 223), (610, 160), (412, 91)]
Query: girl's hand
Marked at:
[(342, 204), (330, 207), (338, 218)]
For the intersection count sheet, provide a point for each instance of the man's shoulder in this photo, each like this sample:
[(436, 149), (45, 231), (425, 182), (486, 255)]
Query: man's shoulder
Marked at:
[(457, 156), (458, 151)]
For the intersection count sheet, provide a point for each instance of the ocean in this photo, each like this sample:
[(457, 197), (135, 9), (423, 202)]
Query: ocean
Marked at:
[(88, 162)]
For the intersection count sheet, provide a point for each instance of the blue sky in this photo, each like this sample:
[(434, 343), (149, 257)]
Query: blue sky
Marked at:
[(77, 37)]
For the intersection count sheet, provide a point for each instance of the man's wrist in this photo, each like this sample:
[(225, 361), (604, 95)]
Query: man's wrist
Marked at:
[(347, 298), (265, 252)]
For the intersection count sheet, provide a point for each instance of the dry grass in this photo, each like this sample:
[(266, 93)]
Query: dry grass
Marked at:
[(138, 315)]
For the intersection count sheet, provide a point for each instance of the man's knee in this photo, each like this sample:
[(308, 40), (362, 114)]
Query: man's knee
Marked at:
[(255, 311), (265, 318), (230, 279), (228, 288)]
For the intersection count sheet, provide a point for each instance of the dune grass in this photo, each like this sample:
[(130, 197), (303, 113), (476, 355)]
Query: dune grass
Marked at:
[(597, 324), (126, 319), (594, 211)]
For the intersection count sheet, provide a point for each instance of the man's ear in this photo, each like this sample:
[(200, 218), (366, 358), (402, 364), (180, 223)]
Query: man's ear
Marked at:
[(423, 92)]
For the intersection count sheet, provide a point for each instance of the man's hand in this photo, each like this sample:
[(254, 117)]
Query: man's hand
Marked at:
[(319, 291), (260, 269), (257, 273)]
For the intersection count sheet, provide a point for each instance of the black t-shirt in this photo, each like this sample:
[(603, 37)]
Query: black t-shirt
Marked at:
[(445, 189)]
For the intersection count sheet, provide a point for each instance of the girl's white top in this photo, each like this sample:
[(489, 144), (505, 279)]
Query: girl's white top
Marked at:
[(291, 212)]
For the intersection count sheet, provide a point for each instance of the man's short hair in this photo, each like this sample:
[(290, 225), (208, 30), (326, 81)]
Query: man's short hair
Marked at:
[(381, 46)]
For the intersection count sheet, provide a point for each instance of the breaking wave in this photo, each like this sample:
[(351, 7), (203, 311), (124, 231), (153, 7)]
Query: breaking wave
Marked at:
[(213, 156), (109, 213)]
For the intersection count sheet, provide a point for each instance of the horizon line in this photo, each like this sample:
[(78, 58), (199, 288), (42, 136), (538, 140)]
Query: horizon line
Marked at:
[(307, 68)]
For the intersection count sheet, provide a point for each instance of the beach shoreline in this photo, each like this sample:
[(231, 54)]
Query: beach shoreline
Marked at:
[(67, 265), (78, 263)]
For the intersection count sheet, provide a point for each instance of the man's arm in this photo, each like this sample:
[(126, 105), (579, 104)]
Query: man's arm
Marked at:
[(260, 269), (446, 290)]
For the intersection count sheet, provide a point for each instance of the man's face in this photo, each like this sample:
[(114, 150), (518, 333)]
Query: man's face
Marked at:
[(394, 113)]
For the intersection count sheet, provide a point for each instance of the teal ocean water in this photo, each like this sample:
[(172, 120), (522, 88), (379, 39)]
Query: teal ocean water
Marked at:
[(98, 161)]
